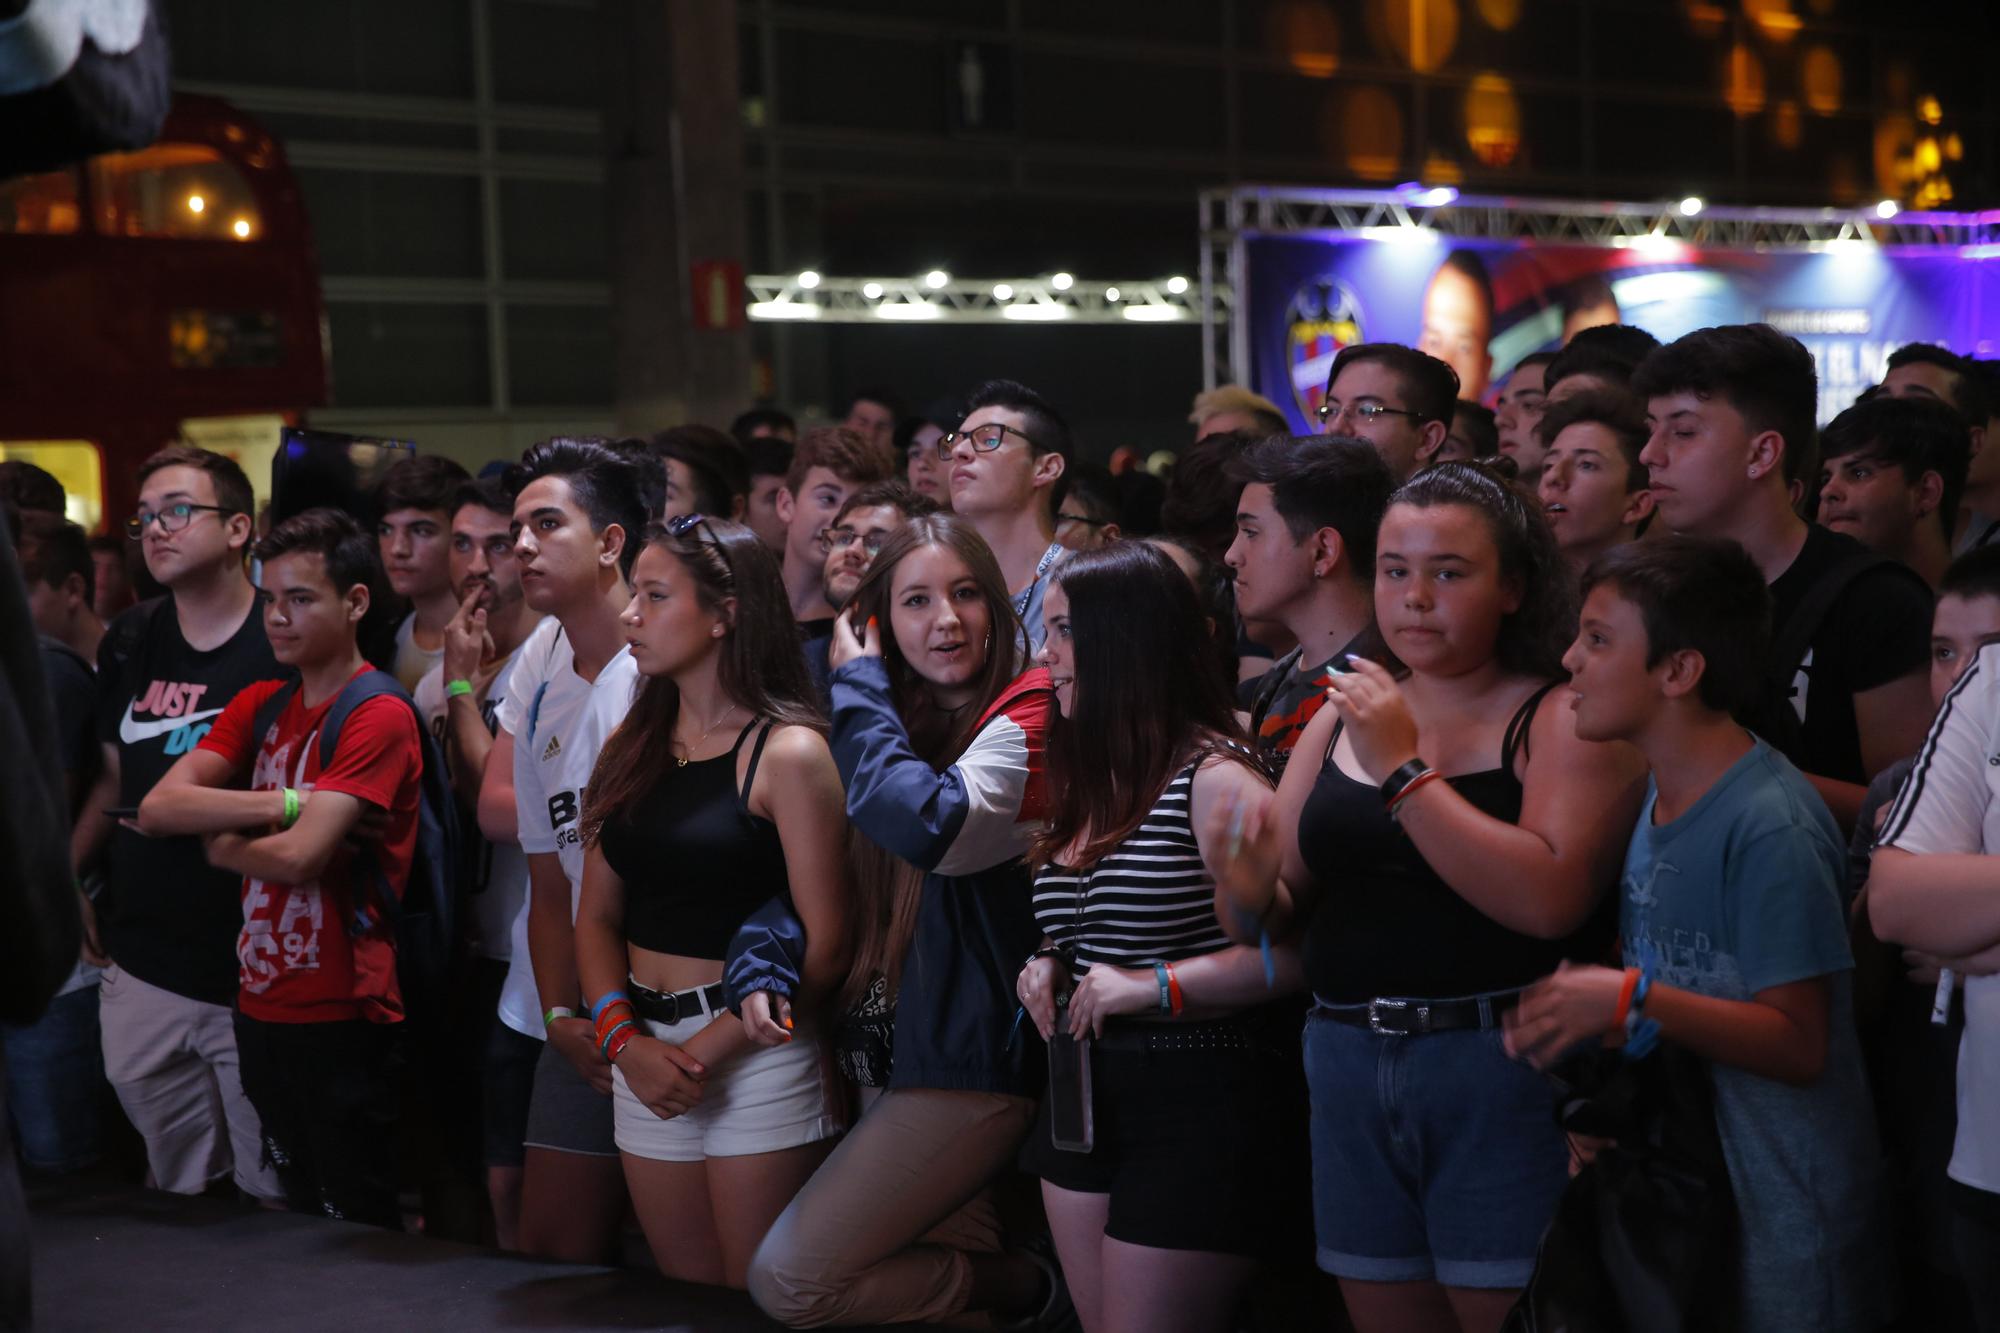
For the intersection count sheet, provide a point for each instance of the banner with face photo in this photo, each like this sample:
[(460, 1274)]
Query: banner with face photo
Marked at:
[(1483, 305)]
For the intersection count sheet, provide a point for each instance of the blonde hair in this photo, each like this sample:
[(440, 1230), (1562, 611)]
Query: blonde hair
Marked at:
[(1231, 398)]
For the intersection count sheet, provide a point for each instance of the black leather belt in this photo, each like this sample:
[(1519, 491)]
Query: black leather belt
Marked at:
[(1414, 1018), (660, 1007)]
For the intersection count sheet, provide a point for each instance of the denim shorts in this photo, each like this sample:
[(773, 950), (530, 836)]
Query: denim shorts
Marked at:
[(1434, 1157)]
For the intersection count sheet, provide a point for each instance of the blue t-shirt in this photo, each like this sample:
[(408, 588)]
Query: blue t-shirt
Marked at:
[(1740, 894)]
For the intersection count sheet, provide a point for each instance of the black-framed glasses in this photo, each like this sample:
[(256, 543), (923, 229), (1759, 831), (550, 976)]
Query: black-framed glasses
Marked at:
[(680, 525), (173, 518), (871, 542), (1086, 520), (1366, 412), (983, 439)]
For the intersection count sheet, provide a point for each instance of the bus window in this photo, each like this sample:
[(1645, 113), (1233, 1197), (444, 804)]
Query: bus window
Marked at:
[(181, 190), (48, 204), (74, 463)]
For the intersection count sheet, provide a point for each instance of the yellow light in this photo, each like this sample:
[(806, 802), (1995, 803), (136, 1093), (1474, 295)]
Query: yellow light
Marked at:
[(1774, 18), (1500, 15), (1368, 124), (242, 228), (1743, 86), (1492, 120), (1819, 79), (1422, 32), (1307, 34), (1786, 125), (196, 203), (1929, 109)]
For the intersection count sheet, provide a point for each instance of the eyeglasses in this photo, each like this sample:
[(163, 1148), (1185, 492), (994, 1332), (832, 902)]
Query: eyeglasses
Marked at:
[(173, 518), (680, 525), (1086, 520), (871, 542), (1365, 412), (983, 439)]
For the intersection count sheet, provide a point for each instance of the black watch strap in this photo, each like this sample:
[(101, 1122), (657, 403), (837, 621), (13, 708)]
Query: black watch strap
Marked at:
[(1402, 778)]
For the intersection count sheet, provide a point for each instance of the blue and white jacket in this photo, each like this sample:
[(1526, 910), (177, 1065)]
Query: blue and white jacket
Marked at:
[(967, 828)]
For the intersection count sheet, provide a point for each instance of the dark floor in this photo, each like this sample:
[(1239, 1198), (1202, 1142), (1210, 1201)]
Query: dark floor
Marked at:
[(109, 1257)]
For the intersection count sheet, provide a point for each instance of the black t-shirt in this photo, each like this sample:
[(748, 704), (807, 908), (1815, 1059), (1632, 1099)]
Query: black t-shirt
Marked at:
[(73, 692), (167, 916), (1876, 631)]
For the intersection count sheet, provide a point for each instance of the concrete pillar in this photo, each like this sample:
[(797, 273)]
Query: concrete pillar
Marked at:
[(674, 195)]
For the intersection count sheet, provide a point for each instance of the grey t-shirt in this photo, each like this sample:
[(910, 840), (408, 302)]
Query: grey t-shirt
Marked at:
[(1740, 894)]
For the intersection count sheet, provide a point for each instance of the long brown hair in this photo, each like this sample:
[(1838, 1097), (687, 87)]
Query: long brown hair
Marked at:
[(762, 668), (886, 887), (1142, 704)]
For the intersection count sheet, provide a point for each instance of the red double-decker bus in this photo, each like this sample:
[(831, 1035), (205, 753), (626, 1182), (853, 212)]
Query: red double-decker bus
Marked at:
[(162, 295)]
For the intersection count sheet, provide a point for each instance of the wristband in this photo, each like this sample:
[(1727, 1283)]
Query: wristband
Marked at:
[(606, 1000), (1642, 1034), (454, 688), (1051, 952), (610, 1039), (1625, 990), (1399, 781), (617, 1043), (1173, 989), (607, 1022), (1166, 988), (557, 1011), (1427, 776), (291, 815)]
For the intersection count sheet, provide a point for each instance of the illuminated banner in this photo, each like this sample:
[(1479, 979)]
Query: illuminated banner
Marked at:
[(1483, 305)]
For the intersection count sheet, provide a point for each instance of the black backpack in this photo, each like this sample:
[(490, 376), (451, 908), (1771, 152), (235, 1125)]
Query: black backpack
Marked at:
[(424, 920)]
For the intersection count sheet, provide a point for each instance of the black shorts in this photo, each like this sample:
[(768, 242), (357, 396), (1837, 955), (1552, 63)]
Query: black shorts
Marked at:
[(1200, 1139), (507, 1081)]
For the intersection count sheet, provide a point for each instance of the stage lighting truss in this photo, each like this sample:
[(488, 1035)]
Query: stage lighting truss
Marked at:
[(1228, 216), (1053, 298)]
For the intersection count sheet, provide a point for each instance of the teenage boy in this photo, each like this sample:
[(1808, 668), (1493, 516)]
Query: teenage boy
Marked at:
[(1598, 358), (1304, 556), (166, 918), (1473, 434), (1593, 486), (1731, 928), (319, 1012), (1914, 1059), (1891, 472), (1396, 398), (770, 463), (872, 414), (829, 464), (702, 470), (1933, 889), (414, 533), (61, 576), (577, 518), (1518, 408), (1087, 509), (848, 546), (460, 700), (1730, 411), (1005, 458), (1921, 370)]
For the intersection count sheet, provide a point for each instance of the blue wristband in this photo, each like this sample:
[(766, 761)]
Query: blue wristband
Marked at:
[(605, 1001), (1166, 990), (1642, 1034)]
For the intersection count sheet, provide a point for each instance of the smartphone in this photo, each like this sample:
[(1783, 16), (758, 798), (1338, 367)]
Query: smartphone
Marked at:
[(1071, 1126)]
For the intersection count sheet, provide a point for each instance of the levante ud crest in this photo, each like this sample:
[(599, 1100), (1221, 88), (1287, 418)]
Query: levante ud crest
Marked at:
[(1323, 317)]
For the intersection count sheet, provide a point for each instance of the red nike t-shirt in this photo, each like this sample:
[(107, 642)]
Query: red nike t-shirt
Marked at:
[(299, 958)]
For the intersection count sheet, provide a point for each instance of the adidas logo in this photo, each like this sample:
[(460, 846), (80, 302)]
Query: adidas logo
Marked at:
[(552, 749)]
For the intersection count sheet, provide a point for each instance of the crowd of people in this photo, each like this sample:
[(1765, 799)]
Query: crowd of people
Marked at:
[(803, 843)]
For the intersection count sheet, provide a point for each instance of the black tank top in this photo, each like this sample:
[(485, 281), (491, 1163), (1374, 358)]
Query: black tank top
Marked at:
[(1387, 925), (696, 863)]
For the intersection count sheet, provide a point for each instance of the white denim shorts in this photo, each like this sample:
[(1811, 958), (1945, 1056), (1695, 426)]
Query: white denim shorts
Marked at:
[(766, 1099)]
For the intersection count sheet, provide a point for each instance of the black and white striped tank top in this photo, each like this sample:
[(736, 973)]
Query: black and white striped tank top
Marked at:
[(1150, 900)]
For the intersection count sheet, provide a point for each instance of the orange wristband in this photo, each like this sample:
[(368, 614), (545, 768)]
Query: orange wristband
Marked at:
[(1625, 997), (1174, 999)]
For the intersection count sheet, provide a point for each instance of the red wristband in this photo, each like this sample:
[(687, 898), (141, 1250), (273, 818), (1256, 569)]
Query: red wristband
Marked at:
[(1174, 999), (619, 1041), (1428, 775), (1631, 984)]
